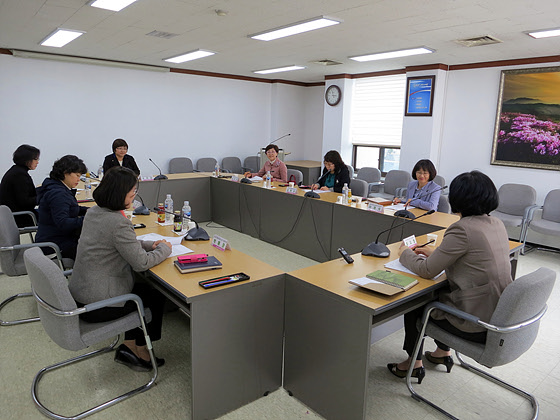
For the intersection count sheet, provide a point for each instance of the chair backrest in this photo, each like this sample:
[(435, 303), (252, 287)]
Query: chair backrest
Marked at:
[(394, 179), (232, 164), (251, 163), (514, 198), (206, 164), (180, 165), (48, 282), (521, 300), (443, 205), (551, 207), (440, 181), (369, 174), (297, 174), (359, 187), (350, 171), (9, 236)]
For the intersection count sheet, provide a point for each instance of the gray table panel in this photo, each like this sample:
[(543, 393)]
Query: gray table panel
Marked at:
[(225, 203), (250, 210)]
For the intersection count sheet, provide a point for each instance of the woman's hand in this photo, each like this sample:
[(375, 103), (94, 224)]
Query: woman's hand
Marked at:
[(315, 186), (402, 248), (325, 189), (156, 243), (422, 251), (247, 174), (396, 200)]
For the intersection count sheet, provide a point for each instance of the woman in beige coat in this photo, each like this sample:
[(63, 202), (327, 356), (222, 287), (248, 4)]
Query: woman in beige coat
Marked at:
[(474, 253)]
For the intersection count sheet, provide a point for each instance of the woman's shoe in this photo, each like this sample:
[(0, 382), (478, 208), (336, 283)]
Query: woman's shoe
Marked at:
[(445, 360), (418, 372), (127, 357)]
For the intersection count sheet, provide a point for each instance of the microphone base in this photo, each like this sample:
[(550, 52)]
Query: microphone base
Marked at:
[(197, 234), (246, 181), (376, 250), (405, 213), (312, 194), (157, 178), (141, 210)]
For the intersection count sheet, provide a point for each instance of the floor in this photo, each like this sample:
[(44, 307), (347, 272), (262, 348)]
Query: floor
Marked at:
[(25, 349)]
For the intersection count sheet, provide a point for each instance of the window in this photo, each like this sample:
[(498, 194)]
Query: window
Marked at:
[(376, 121)]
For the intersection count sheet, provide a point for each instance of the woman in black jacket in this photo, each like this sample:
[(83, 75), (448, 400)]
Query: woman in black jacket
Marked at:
[(60, 216), (119, 157), (335, 174), (17, 190)]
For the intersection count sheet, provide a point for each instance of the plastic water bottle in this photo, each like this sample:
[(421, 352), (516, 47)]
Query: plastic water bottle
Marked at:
[(186, 212), (88, 187), (100, 172), (217, 170), (168, 204), (345, 194), (268, 181)]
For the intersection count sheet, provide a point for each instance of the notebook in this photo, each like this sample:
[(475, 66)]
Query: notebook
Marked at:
[(211, 264), (385, 282)]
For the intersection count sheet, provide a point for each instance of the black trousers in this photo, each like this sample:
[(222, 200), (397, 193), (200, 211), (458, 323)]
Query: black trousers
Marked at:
[(151, 298), (411, 333)]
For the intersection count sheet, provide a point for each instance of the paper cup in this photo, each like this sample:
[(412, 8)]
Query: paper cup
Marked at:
[(292, 184), (339, 199), (431, 236)]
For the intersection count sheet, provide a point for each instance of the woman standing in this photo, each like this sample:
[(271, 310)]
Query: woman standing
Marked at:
[(335, 173), (109, 261), (17, 190), (119, 157)]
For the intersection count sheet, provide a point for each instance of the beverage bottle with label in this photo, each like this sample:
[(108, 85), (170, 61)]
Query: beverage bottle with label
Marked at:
[(177, 222), (186, 212), (161, 213), (217, 170), (88, 187), (168, 204), (345, 194), (268, 181), (100, 172)]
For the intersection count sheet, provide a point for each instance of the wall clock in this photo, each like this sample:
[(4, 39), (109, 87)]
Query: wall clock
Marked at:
[(333, 95)]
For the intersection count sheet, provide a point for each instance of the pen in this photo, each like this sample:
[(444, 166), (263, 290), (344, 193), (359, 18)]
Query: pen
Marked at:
[(427, 243)]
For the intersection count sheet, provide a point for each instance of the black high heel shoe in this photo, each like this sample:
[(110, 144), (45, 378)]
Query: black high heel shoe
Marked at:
[(126, 357), (445, 360), (418, 372)]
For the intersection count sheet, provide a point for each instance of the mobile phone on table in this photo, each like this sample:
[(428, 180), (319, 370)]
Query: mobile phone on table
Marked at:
[(139, 226)]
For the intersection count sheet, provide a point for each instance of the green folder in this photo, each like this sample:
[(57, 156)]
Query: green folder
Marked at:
[(394, 279)]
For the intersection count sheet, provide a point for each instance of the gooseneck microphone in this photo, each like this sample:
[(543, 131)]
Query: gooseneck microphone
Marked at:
[(279, 138), (313, 194), (409, 215), (160, 176), (141, 210), (194, 234), (380, 250)]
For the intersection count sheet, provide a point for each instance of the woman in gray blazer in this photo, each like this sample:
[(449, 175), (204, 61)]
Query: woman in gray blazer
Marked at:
[(474, 253), (109, 260)]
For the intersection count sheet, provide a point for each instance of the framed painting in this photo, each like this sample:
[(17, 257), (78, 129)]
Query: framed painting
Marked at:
[(419, 96), (527, 130)]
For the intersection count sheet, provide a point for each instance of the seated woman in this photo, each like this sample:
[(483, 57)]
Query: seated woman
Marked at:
[(119, 157), (60, 216), (277, 168), (17, 190), (474, 253), (335, 174), (423, 192), (109, 261)]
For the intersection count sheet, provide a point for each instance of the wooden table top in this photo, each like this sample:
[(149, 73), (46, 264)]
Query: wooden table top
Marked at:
[(304, 163)]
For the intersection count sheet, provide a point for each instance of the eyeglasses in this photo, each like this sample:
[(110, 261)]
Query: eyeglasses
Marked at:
[(122, 148), (420, 173)]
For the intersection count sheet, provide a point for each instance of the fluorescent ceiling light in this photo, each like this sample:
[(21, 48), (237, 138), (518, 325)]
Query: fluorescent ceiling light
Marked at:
[(392, 54), (114, 5), (193, 55), (544, 34), (61, 37), (279, 69), (295, 28)]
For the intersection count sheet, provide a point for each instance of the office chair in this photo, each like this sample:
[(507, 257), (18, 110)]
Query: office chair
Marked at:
[(298, 175), (395, 182), (549, 221), (359, 187), (443, 205), (59, 316), (232, 164), (251, 163), (180, 165), (372, 176), (512, 330), (11, 254), (350, 171), (206, 164), (438, 179)]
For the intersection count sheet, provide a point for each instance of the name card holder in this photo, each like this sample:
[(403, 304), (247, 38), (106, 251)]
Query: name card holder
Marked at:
[(220, 243), (410, 241), (291, 190), (377, 208), (235, 178)]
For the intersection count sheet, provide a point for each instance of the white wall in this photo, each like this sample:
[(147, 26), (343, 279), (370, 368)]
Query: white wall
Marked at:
[(67, 108)]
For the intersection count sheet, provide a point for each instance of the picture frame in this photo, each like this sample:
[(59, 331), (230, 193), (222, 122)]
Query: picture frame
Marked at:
[(527, 128), (419, 96)]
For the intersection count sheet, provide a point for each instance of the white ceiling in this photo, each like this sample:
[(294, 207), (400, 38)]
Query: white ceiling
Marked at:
[(368, 26)]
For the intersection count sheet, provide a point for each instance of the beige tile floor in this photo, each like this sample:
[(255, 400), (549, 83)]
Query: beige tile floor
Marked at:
[(25, 349)]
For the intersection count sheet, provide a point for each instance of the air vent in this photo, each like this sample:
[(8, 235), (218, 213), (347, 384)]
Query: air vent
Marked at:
[(326, 62), (478, 41), (161, 34)]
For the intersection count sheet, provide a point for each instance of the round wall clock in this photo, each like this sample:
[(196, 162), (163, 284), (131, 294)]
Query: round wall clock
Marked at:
[(333, 95)]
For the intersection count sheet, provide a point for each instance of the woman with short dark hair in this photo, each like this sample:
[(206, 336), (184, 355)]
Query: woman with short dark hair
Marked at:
[(275, 166), (60, 216), (119, 157), (423, 192), (109, 262), (474, 253), (17, 190), (335, 173)]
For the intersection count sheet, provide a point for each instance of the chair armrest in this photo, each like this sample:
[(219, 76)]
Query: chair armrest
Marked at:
[(227, 171), (29, 213), (529, 212), (374, 186), (40, 244), (28, 229), (196, 170), (453, 311), (114, 300)]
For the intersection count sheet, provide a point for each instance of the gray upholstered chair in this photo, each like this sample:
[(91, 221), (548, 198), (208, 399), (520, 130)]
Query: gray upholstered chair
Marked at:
[(359, 187), (549, 221), (60, 319), (372, 176), (206, 164), (443, 205), (395, 181), (11, 254), (440, 181), (232, 164), (180, 165), (512, 329), (516, 201), (251, 163), (350, 171), (297, 174)]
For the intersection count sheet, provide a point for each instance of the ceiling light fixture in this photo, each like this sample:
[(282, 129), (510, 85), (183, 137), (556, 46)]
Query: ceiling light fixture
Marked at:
[(114, 5), (545, 33), (296, 28), (61, 37), (193, 55), (392, 54), (279, 69)]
